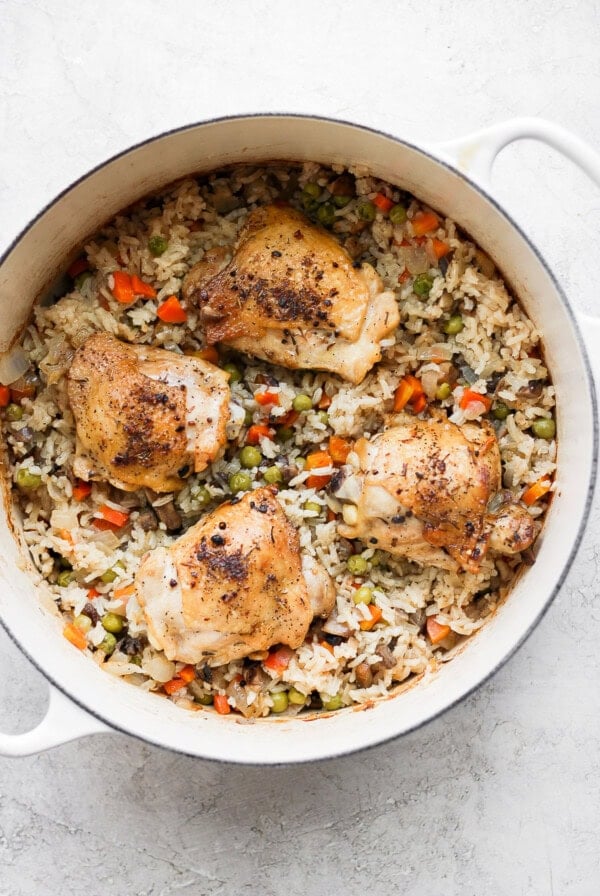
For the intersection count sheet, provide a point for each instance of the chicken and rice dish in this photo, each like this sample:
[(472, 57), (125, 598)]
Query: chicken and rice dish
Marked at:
[(283, 444)]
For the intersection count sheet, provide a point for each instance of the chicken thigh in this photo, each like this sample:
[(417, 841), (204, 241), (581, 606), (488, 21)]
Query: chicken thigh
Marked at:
[(145, 417), (291, 295), (235, 583), (422, 491)]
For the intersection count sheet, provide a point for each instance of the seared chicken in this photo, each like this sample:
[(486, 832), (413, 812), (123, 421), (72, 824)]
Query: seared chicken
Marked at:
[(235, 583), (422, 491), (291, 295), (145, 417)]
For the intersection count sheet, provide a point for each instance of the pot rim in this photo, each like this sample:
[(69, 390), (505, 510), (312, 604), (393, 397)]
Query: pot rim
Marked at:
[(430, 152)]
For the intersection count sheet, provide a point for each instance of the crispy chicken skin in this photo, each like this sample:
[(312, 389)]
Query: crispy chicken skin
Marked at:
[(145, 417), (233, 584), (291, 295), (423, 490)]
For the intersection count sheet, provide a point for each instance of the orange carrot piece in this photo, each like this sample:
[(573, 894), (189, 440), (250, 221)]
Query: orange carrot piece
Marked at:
[(440, 248), (221, 704), (404, 276), (65, 535), (419, 403), (81, 489), (376, 614), (435, 631), (278, 660), (142, 289), (114, 517), (314, 462), (171, 687), (383, 203), (403, 394), (424, 222), (122, 288), (208, 353), (93, 593), (288, 419), (536, 491), (4, 396), (187, 674), (265, 398), (324, 402), (75, 636), (103, 525), (327, 646), (78, 267), (339, 449), (331, 515), (468, 397), (123, 593), (172, 311), (256, 432)]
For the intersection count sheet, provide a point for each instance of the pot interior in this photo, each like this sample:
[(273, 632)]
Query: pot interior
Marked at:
[(40, 255)]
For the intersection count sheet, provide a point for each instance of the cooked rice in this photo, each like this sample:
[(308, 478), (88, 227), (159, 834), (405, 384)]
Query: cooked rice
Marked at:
[(497, 349)]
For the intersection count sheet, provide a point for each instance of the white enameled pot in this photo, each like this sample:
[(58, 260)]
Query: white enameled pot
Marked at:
[(85, 700)]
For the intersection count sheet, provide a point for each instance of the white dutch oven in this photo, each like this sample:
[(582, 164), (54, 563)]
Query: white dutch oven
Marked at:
[(83, 699)]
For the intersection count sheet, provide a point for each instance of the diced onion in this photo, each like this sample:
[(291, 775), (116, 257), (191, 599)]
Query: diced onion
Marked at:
[(13, 365)]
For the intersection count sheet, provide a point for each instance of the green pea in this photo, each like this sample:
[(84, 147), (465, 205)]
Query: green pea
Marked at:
[(341, 201), (14, 412), (83, 623), (397, 214), (366, 210), (248, 418), (108, 645), (26, 479), (280, 701), (296, 697), (201, 496), (363, 595), (204, 699), (357, 565), (250, 457), (158, 244), (544, 428), (500, 411), (239, 482), (136, 660), (454, 325), (323, 417), (284, 433), (64, 578), (326, 214), (273, 475), (310, 205), (331, 703), (82, 278), (312, 506), (302, 403), (235, 374), (443, 391), (312, 190), (377, 558), (422, 285), (108, 576), (112, 623)]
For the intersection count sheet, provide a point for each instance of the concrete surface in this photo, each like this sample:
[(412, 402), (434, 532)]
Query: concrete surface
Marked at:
[(502, 795)]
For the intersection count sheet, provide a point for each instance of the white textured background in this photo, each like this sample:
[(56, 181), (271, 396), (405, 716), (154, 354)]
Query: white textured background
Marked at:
[(502, 795)]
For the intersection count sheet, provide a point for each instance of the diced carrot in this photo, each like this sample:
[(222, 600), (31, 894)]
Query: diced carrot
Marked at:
[(331, 515), (122, 288), (221, 704), (256, 432), (93, 593), (339, 449), (419, 403), (327, 646), (171, 687), (265, 398), (208, 353), (404, 276), (75, 636), (324, 402), (124, 593), (172, 311), (415, 383), (440, 248), (314, 462), (435, 631), (278, 660), (65, 535), (103, 525), (187, 674), (81, 489), (468, 397), (114, 517), (383, 203), (78, 267), (288, 419), (424, 222), (536, 491), (142, 289), (403, 394), (376, 614), (4, 396)]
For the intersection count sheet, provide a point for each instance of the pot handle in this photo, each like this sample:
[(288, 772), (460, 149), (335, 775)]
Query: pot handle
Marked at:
[(475, 155), (64, 721)]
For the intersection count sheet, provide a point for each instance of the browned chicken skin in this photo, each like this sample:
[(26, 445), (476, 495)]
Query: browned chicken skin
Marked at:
[(291, 295), (145, 417), (423, 491), (233, 584)]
